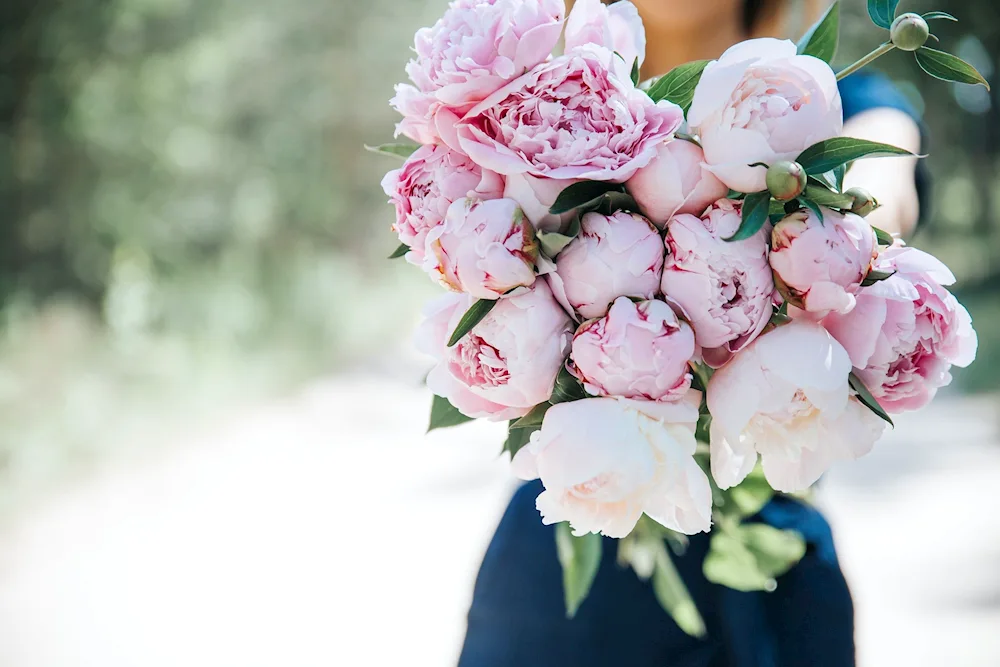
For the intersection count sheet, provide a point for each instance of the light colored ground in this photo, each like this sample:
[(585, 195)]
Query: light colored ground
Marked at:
[(326, 530)]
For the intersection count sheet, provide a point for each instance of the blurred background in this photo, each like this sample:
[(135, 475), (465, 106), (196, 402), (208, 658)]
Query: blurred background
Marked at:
[(212, 448)]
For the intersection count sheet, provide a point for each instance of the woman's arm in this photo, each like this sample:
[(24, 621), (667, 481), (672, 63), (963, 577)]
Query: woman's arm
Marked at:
[(890, 180)]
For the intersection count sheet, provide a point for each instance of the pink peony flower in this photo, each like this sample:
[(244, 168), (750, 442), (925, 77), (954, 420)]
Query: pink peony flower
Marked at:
[(507, 364), (638, 350), (725, 289), (572, 117), (819, 264), (484, 248), (616, 27), (907, 331), (613, 256), (426, 185), (676, 181), (604, 462), (760, 102), (787, 397), (472, 51)]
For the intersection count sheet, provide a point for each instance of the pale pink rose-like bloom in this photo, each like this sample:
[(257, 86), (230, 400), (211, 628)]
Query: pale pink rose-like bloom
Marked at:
[(573, 117), (819, 264), (606, 461), (426, 185), (616, 27), (787, 397), (725, 289), (473, 50), (507, 364), (483, 248), (676, 181), (760, 102), (906, 332), (638, 350), (613, 256)]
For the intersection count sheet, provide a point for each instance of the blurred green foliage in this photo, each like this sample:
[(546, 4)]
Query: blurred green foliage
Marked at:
[(963, 226), (187, 209), (195, 165)]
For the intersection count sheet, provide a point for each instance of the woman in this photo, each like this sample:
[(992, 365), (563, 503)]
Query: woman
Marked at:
[(517, 616)]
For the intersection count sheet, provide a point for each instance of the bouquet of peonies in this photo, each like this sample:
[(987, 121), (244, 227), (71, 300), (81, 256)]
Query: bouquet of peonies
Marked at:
[(663, 288)]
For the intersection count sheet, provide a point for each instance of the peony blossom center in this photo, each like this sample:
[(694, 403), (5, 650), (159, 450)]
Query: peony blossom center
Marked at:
[(763, 98), (781, 425), (592, 486), (481, 364)]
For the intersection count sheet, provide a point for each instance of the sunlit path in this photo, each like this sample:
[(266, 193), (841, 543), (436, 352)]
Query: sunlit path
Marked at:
[(326, 530)]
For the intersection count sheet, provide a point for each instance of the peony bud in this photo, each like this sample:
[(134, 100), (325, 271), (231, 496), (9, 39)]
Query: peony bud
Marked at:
[(820, 263), (786, 180), (909, 32), (484, 248), (614, 255), (864, 202), (638, 350)]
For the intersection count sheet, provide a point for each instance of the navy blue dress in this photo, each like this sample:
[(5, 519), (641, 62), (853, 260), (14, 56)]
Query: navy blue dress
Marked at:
[(517, 618)]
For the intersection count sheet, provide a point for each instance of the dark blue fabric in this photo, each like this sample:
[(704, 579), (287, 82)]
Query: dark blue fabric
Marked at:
[(517, 618)]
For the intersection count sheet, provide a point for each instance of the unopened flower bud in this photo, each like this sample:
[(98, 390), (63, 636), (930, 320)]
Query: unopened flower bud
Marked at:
[(786, 180), (864, 203), (909, 32)]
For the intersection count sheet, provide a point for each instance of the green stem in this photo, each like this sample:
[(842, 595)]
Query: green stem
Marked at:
[(877, 53)]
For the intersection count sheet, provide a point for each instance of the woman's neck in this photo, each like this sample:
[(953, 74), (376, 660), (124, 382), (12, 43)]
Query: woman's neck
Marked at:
[(669, 46)]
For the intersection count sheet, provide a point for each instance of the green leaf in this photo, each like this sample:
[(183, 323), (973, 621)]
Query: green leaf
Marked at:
[(552, 243), (781, 208), (875, 276), (401, 151), (517, 438), (748, 557), (929, 16), (812, 206), (730, 563), (882, 12), (839, 172), (400, 251), (702, 374), (883, 237), (635, 72), (828, 198), (703, 429), (678, 84), (821, 40), (533, 418), (580, 558), (832, 153), (444, 414), (947, 67), (673, 595), (612, 202), (473, 316), (755, 212), (750, 495), (776, 551), (826, 180), (867, 399), (567, 388), (581, 194)]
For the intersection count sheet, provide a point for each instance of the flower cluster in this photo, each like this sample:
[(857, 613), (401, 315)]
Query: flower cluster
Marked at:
[(611, 326)]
